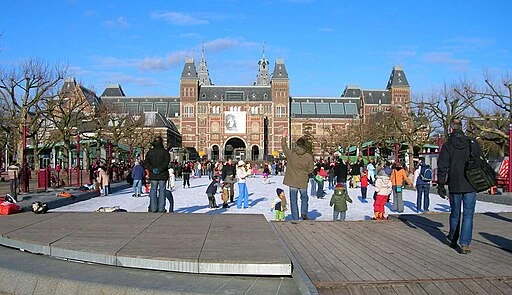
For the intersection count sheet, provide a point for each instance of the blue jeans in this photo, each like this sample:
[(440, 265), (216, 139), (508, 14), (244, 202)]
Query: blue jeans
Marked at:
[(422, 190), (468, 202), (137, 187), (320, 189), (304, 199), (243, 196), (157, 202), (312, 187)]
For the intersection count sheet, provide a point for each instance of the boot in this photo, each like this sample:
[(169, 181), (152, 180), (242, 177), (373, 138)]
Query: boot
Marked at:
[(376, 216)]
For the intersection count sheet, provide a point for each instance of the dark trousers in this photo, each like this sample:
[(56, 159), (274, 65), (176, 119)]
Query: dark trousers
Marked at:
[(186, 179), (170, 198), (363, 192)]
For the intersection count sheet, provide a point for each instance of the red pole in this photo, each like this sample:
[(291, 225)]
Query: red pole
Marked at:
[(368, 153), (131, 152), (24, 158), (396, 152), (78, 178), (510, 155)]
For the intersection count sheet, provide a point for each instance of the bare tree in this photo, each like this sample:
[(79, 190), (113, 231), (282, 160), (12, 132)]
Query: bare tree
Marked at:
[(24, 89), (490, 125), (443, 107)]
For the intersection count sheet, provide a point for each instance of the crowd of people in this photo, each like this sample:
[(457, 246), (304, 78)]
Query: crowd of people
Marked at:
[(302, 173)]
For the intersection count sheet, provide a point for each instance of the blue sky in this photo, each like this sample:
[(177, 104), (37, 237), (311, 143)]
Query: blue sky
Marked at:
[(326, 45)]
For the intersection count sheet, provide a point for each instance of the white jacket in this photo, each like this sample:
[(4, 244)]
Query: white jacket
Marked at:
[(241, 174), (170, 182), (383, 185)]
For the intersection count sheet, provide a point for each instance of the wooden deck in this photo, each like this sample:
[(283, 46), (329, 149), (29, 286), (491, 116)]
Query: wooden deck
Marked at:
[(409, 255)]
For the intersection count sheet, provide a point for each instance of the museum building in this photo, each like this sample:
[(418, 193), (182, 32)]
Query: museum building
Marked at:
[(246, 122)]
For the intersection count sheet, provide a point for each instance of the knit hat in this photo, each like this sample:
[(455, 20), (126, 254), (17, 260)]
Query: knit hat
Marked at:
[(241, 163), (279, 191), (339, 188)]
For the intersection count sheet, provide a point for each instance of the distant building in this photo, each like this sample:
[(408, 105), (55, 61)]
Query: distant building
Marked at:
[(246, 122)]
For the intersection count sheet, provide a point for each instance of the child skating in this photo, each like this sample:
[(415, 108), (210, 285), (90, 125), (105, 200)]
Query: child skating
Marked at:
[(339, 199), (382, 191), (279, 204), (211, 191)]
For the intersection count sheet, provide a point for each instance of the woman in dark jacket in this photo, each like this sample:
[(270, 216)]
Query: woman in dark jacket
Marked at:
[(157, 161)]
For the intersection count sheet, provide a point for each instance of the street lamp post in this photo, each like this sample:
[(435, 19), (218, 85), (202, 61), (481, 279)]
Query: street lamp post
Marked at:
[(24, 157), (509, 85), (78, 170)]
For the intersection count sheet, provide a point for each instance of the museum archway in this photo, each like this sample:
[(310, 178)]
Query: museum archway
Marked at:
[(215, 153), (255, 153), (235, 149)]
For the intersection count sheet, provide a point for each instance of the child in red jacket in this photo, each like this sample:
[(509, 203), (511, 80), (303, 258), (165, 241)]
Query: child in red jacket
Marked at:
[(364, 185)]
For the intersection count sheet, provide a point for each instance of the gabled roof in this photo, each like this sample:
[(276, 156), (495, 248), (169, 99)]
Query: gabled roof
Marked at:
[(113, 90), (397, 78), (351, 91), (376, 96)]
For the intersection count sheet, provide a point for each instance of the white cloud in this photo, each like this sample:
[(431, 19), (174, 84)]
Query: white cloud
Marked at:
[(120, 78), (446, 58), (179, 18), (118, 23)]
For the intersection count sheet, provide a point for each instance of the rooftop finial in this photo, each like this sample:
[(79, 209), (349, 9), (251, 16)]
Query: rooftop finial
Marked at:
[(263, 49)]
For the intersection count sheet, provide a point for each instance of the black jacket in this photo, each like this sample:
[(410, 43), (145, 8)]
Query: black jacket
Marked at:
[(451, 162), (228, 170), (212, 188), (341, 171), (157, 160)]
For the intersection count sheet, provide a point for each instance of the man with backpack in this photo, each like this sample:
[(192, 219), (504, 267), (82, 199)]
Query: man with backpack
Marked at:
[(462, 194), (422, 179)]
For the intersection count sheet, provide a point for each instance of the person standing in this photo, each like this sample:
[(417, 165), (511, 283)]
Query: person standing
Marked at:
[(339, 200), (14, 172), (243, 194), (229, 169), (383, 189), (450, 171), (137, 176), (186, 171), (157, 160), (103, 180), (279, 204), (398, 176), (422, 178), (211, 190), (300, 165), (341, 171), (371, 172), (169, 186)]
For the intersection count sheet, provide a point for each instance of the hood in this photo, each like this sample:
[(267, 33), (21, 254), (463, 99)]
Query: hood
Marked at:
[(300, 150), (459, 140)]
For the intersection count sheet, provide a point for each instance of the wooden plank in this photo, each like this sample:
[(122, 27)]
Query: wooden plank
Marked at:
[(430, 288), (489, 287), (402, 289), (502, 285), (352, 254), (306, 261), (445, 288), (336, 266), (371, 290), (474, 286), (460, 287)]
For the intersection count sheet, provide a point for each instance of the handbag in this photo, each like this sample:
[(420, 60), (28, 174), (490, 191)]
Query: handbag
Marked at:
[(478, 172), (398, 188)]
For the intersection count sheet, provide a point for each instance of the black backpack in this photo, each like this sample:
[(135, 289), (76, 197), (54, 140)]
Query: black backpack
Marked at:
[(478, 172)]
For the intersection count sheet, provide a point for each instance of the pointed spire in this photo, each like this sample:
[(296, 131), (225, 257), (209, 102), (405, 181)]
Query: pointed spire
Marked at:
[(203, 75), (263, 77)]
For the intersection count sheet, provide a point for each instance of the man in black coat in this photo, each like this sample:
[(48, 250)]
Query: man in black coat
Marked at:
[(341, 172), (450, 170), (157, 162)]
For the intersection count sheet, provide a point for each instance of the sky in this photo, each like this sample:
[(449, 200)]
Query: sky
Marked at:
[(326, 44), (261, 196)]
